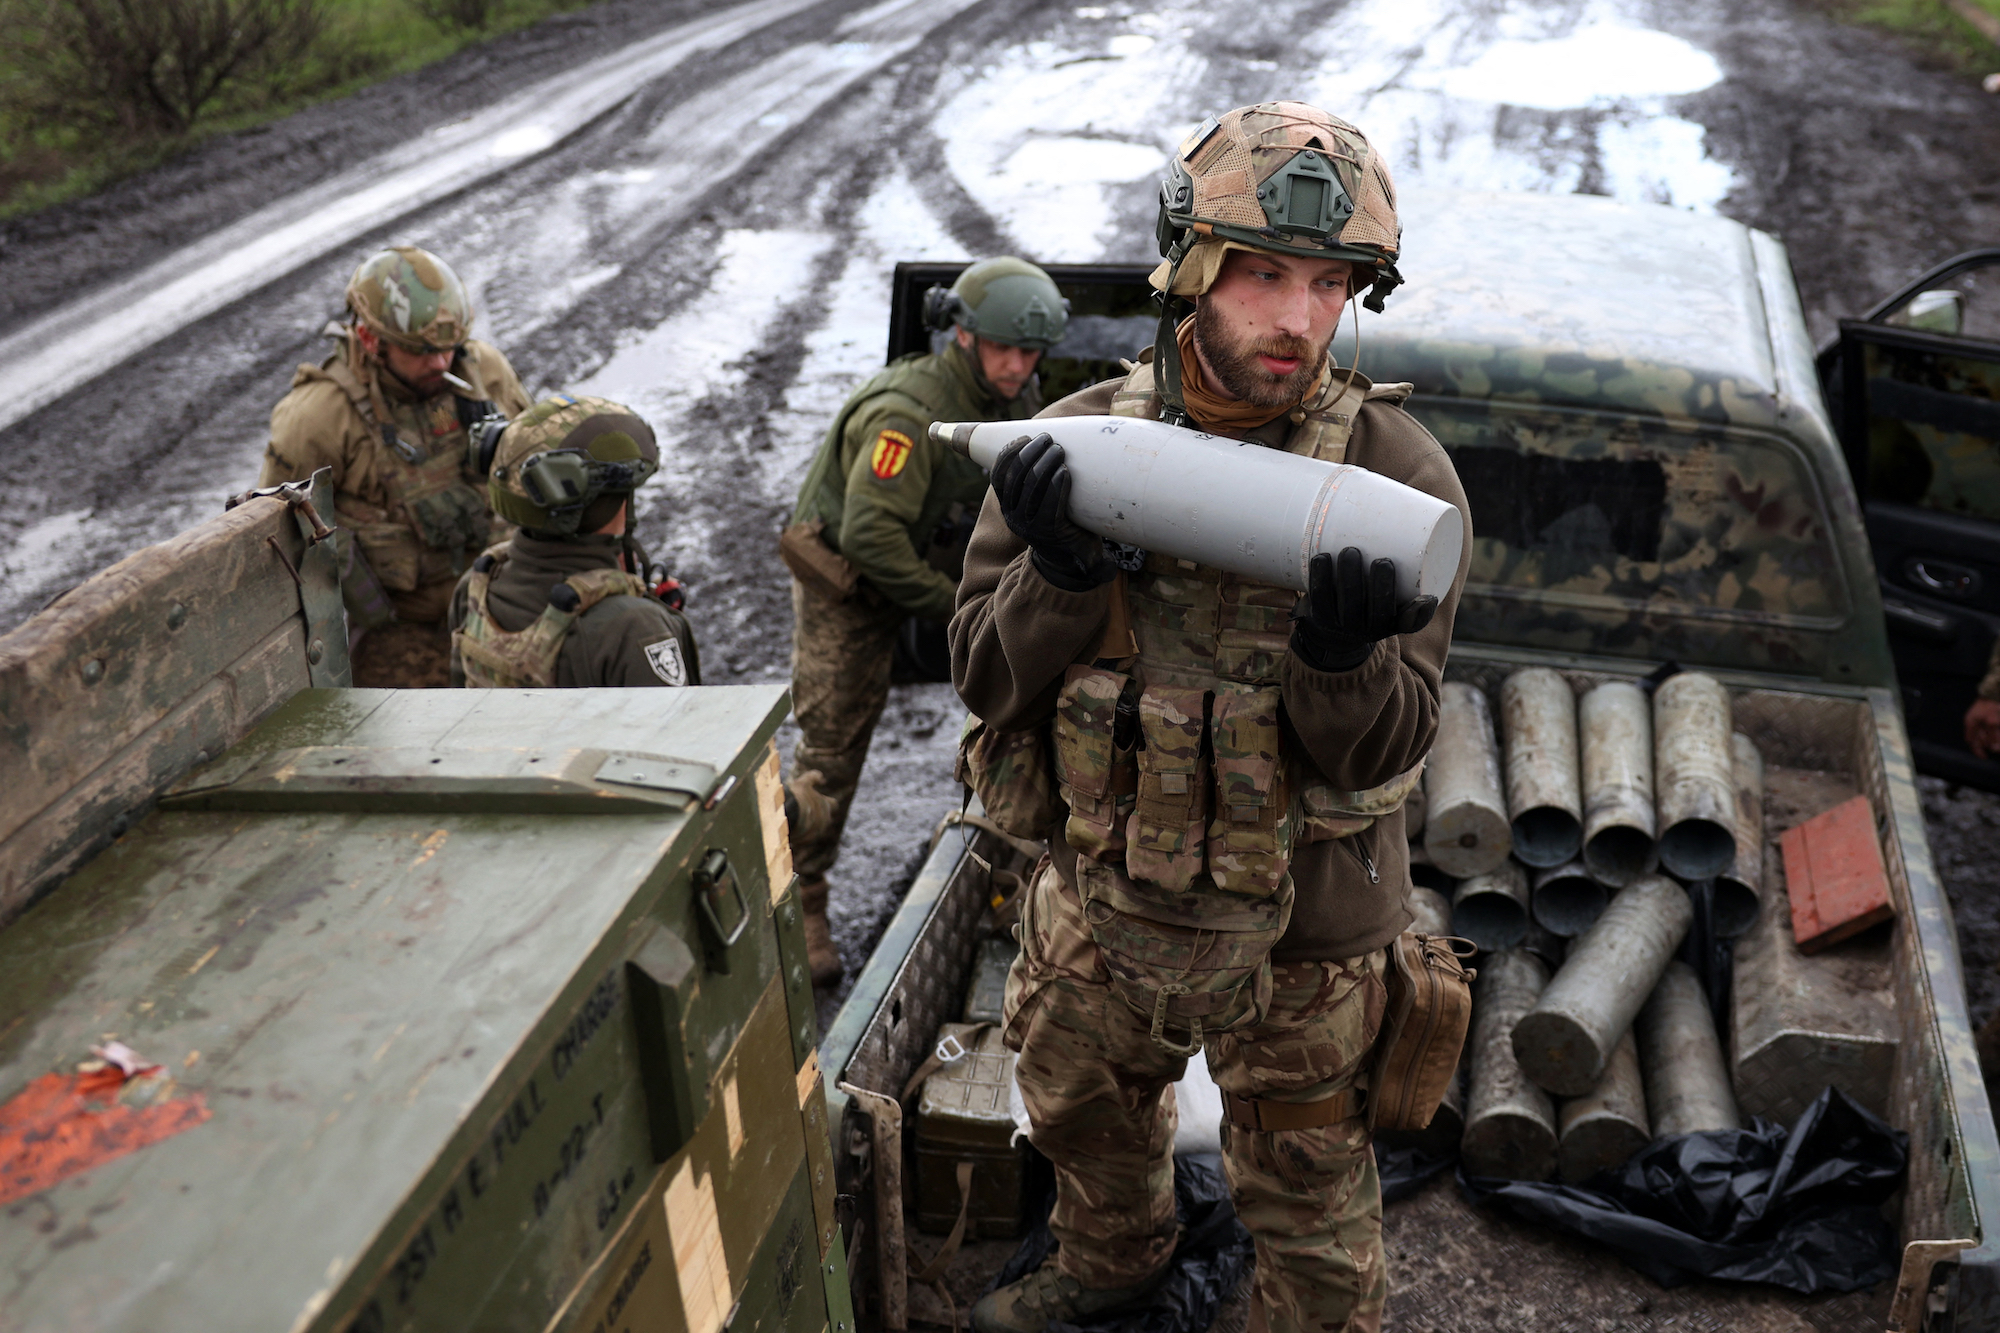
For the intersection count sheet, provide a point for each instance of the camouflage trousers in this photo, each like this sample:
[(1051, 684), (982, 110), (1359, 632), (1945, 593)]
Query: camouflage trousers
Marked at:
[(1098, 1093), (842, 653)]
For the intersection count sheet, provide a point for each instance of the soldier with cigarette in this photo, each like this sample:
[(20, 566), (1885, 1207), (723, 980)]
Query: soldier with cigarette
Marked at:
[(1232, 758), (399, 412)]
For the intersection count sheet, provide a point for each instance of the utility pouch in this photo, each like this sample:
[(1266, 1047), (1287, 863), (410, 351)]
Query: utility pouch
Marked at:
[(1010, 773), (452, 518), (803, 548), (1186, 981), (1164, 833), (1423, 1030), (1250, 837), (1093, 761)]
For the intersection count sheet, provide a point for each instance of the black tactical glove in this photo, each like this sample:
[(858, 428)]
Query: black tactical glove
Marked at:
[(1346, 611), (1031, 481)]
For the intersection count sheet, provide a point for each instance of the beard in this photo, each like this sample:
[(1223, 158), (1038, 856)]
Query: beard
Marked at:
[(1235, 364)]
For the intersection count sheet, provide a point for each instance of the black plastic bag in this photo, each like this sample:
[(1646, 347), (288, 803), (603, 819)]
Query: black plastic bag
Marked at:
[(1404, 1171), (1801, 1209), (1214, 1255)]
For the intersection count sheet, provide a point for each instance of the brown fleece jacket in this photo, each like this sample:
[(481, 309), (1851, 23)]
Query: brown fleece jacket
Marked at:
[(1014, 634)]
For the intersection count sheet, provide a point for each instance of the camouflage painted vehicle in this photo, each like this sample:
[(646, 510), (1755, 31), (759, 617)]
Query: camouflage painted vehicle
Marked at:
[(365, 1010), (1633, 406)]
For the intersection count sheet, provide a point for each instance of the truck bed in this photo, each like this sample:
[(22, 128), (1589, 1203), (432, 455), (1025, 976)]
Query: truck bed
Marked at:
[(1454, 1267)]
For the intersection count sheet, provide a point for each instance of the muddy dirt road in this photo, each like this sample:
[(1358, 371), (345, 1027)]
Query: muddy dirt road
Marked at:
[(715, 249)]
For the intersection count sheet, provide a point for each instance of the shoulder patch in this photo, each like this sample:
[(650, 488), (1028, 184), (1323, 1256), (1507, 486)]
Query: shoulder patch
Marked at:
[(892, 451), (666, 660)]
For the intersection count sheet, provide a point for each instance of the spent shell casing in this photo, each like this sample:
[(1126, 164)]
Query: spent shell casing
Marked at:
[(1465, 827), (1544, 780), (1564, 1042), (1432, 911), (1567, 899), (1687, 1082), (1615, 725), (1739, 889), (1607, 1124), (1692, 776), (1510, 1123), (1491, 909)]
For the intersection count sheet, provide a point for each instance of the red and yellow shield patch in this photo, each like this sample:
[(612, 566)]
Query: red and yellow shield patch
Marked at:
[(892, 450)]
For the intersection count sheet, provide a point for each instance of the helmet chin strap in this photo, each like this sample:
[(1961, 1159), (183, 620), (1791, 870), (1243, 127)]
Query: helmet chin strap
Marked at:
[(1354, 369), (1167, 369)]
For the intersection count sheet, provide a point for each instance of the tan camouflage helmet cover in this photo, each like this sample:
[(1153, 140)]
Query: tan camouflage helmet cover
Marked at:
[(411, 298), (1283, 177), (612, 453)]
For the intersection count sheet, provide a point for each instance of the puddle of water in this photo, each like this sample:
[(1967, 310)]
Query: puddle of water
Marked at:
[(1599, 64), (1578, 104), (45, 549), (521, 142)]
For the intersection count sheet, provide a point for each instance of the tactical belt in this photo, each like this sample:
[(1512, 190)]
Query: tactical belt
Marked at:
[(1267, 1116)]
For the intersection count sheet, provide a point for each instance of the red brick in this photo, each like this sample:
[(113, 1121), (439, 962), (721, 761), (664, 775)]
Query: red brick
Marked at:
[(1835, 876)]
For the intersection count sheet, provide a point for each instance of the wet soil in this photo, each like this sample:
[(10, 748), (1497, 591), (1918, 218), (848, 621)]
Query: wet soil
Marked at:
[(1870, 163), (49, 257)]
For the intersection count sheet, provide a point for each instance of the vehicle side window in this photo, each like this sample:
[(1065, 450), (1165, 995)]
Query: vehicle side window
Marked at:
[(1666, 536), (1934, 428)]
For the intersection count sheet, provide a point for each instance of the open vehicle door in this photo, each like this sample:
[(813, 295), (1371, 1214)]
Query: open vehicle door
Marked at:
[(1914, 388)]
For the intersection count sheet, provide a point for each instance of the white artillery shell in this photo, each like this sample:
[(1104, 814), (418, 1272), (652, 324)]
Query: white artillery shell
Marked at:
[(1256, 512)]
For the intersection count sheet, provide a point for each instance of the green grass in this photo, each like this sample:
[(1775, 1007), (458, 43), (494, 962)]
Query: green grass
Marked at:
[(1931, 27), (364, 42)]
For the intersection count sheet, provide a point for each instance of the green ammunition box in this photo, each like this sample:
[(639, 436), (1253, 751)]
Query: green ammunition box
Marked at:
[(964, 1114), (986, 992), (476, 1009)]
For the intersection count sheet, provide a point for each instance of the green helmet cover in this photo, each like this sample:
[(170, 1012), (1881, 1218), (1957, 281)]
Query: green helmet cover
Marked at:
[(1009, 301), (411, 298)]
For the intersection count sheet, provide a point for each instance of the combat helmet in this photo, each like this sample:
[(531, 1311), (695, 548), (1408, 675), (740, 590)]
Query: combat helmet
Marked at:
[(1002, 300), (411, 298), (1283, 177), (567, 465)]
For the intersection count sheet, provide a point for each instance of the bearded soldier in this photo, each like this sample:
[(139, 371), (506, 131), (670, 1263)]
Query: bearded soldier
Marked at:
[(879, 534), (393, 412), (1233, 758), (563, 603)]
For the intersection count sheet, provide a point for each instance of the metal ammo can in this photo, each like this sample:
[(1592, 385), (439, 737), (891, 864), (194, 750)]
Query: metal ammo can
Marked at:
[(472, 1009)]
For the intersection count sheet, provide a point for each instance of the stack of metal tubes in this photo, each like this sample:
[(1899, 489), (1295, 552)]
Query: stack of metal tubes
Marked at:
[(1544, 829)]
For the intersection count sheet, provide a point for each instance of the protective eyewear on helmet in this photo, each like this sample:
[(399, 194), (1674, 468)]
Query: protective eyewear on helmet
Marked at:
[(563, 482)]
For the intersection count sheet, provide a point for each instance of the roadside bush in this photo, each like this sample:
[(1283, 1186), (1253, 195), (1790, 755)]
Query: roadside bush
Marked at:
[(148, 67), (456, 15)]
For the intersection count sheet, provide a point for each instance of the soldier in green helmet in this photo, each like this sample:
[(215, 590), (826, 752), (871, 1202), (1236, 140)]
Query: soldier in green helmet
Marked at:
[(563, 602), (879, 534), (400, 412), (1233, 759)]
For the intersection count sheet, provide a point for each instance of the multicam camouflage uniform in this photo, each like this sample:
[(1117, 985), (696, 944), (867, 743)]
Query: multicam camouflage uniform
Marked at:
[(1097, 1088), (408, 503), (1232, 863)]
